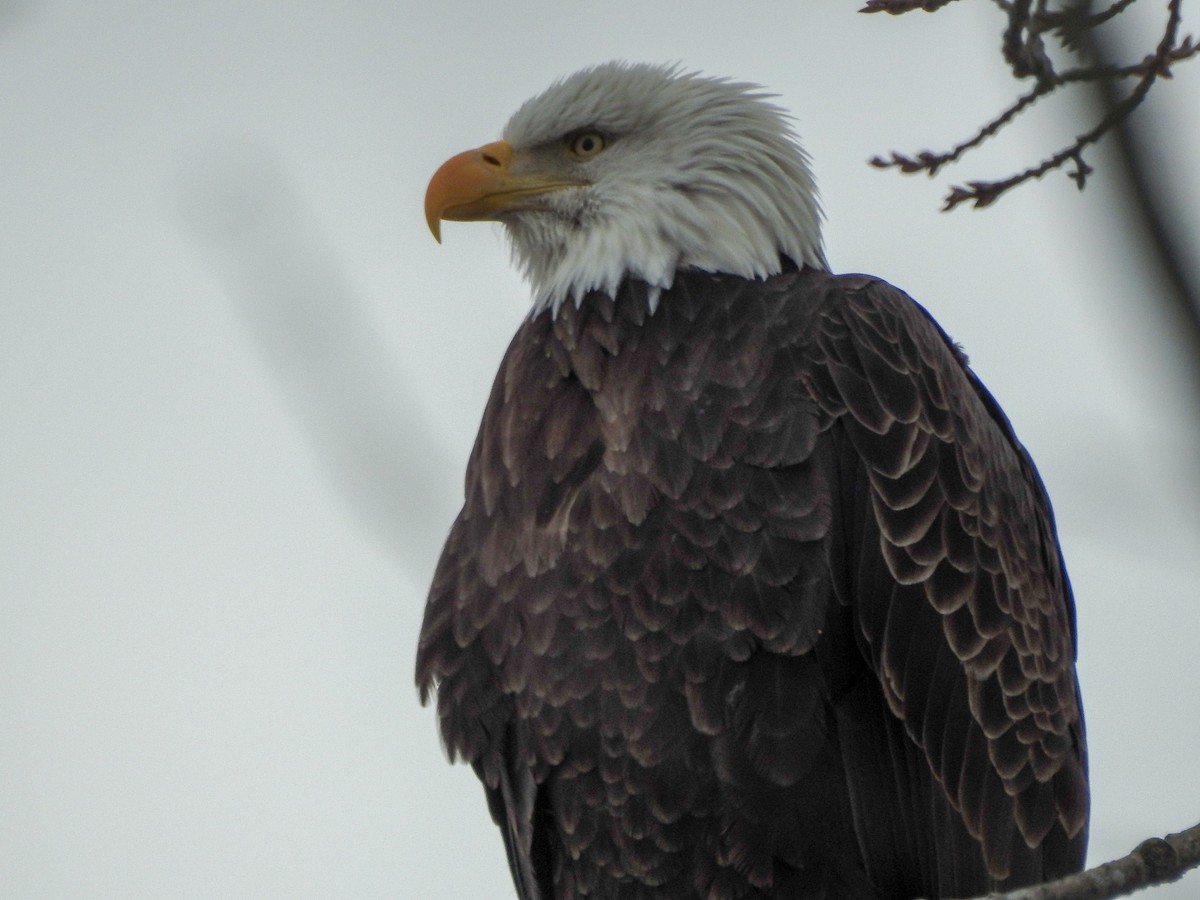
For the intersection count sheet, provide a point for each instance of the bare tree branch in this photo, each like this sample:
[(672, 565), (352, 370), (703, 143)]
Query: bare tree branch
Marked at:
[(1072, 26), (1024, 51), (930, 162), (1153, 861), (897, 7)]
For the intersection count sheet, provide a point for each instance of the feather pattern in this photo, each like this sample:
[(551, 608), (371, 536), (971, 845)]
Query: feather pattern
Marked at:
[(757, 596)]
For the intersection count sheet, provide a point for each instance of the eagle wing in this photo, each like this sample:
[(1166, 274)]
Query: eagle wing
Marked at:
[(945, 559)]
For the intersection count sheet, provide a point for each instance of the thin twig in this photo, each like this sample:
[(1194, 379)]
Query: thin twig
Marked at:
[(1013, 46), (1025, 53), (931, 162), (984, 193)]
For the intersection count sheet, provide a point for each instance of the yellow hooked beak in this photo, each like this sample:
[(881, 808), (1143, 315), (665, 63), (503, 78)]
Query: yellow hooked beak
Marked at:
[(478, 185)]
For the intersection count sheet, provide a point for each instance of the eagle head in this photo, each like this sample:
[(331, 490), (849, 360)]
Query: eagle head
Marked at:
[(636, 171)]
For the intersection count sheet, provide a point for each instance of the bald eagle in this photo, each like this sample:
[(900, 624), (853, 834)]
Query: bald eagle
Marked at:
[(754, 593)]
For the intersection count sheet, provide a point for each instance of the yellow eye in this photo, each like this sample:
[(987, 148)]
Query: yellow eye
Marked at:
[(586, 144)]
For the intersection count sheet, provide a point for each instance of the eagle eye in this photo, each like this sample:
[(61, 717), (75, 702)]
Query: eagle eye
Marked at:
[(585, 144)]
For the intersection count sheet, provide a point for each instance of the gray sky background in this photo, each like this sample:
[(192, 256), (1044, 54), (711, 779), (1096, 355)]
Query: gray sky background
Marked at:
[(239, 382)]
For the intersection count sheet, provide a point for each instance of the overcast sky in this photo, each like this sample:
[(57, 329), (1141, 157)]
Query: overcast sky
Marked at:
[(239, 382)]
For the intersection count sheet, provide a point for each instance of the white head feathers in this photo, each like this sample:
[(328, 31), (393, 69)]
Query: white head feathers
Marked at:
[(695, 172)]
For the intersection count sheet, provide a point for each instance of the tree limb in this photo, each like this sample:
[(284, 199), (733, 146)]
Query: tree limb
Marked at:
[(1153, 861), (1024, 51)]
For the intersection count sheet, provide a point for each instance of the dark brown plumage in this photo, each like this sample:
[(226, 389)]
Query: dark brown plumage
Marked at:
[(758, 596)]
